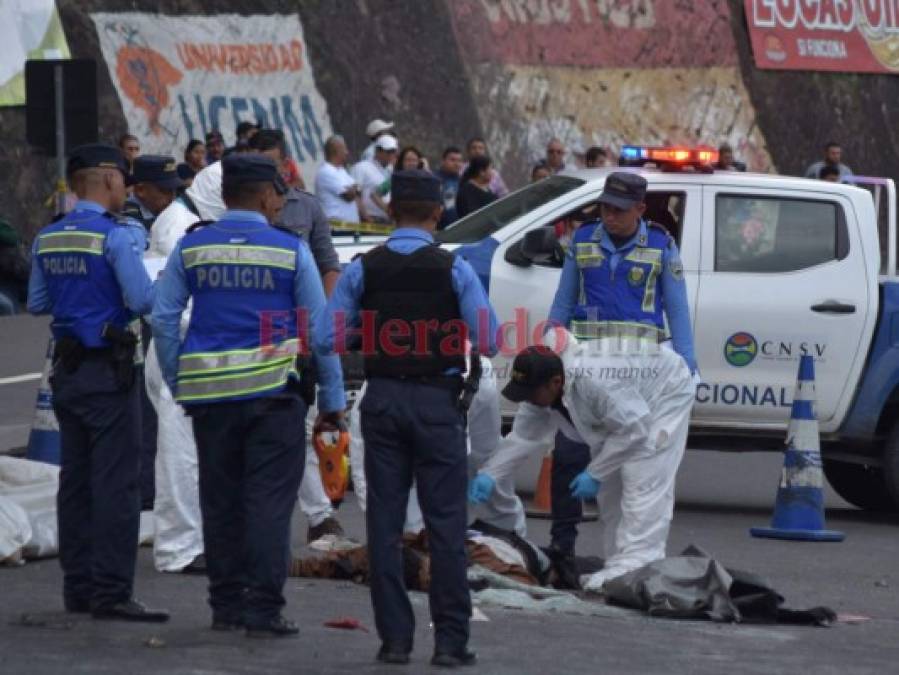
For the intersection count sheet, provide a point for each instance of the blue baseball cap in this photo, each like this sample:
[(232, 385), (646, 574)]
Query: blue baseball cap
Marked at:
[(160, 170), (623, 189), (98, 156), (415, 185), (240, 168)]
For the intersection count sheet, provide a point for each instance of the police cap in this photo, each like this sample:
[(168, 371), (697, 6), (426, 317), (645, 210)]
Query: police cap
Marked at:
[(623, 189), (97, 156), (160, 170), (415, 185), (240, 168), (533, 367)]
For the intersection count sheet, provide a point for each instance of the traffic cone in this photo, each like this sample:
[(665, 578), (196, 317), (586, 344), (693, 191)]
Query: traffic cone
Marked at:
[(43, 441), (541, 507), (799, 508)]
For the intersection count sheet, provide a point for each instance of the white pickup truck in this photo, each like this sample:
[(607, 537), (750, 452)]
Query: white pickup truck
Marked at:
[(775, 266)]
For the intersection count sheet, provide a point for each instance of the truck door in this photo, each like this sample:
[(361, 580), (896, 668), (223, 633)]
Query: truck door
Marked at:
[(782, 275)]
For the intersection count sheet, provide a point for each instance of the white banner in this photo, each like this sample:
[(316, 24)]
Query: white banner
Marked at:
[(179, 77)]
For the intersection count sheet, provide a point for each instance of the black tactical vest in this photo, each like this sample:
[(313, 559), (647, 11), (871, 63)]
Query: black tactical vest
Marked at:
[(415, 291)]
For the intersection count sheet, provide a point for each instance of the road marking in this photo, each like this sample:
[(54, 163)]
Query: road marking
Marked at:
[(27, 377)]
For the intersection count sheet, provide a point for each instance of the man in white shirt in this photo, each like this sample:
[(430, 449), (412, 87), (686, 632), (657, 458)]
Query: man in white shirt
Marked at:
[(372, 174), (374, 130), (335, 188)]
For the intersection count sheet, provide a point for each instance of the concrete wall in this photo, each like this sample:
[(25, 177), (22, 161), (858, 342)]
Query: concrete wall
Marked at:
[(520, 72)]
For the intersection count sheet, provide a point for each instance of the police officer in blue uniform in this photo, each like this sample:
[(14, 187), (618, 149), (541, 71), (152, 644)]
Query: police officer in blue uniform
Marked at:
[(416, 304), (254, 289), (622, 276), (155, 180), (88, 273)]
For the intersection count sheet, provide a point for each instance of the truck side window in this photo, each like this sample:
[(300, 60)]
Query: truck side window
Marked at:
[(774, 234), (667, 209)]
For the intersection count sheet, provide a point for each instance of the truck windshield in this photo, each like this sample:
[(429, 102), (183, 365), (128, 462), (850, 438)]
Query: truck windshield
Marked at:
[(481, 224)]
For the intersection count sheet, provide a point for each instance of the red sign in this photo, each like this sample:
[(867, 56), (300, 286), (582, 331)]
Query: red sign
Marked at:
[(842, 35), (596, 33)]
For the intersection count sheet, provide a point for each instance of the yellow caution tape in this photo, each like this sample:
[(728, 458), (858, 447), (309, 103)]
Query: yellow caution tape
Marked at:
[(360, 228)]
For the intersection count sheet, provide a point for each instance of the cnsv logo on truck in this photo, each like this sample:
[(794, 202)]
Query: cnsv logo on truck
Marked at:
[(742, 348)]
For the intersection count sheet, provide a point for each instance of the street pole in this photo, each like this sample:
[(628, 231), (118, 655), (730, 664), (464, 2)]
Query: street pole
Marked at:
[(61, 188)]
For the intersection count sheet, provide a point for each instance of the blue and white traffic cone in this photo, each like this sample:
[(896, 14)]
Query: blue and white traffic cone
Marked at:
[(799, 509), (43, 442)]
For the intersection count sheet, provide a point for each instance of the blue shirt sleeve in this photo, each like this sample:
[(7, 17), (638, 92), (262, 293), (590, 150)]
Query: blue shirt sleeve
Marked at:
[(125, 247), (342, 311), (475, 307), (677, 310), (38, 297), (171, 299), (566, 294), (309, 295)]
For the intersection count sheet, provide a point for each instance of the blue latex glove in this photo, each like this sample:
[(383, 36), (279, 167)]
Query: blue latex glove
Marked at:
[(480, 488), (584, 486)]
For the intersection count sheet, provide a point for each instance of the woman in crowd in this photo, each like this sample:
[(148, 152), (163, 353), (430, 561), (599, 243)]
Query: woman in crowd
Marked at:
[(410, 158), (194, 156), (474, 188)]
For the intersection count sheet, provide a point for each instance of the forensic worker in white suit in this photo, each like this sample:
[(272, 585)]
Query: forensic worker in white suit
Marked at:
[(629, 400)]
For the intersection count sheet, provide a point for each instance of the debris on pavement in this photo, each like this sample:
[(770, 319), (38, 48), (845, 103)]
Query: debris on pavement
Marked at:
[(346, 623)]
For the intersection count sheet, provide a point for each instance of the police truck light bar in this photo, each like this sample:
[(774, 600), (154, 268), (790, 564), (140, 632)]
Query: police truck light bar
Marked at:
[(670, 159)]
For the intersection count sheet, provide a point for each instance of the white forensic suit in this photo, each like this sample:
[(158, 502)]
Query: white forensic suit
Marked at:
[(179, 533), (632, 407), (504, 509)]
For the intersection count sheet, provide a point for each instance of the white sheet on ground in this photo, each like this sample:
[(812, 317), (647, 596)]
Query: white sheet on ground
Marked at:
[(28, 524)]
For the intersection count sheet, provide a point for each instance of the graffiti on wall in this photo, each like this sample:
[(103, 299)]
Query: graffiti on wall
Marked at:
[(606, 72)]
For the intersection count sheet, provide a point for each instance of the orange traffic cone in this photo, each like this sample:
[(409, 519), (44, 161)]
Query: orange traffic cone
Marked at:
[(541, 507)]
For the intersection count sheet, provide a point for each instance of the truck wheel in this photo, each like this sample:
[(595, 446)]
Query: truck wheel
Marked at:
[(860, 485)]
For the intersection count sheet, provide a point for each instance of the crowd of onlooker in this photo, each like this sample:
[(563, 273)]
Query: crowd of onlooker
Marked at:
[(355, 192), (360, 192)]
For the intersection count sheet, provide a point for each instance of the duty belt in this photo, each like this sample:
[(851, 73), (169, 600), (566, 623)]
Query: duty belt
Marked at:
[(592, 330)]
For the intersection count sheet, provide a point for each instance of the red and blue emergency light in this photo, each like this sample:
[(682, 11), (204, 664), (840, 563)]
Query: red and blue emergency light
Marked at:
[(669, 158)]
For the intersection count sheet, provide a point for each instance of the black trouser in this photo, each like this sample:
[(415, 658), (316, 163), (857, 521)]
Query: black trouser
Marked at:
[(98, 503), (416, 430), (149, 426), (569, 459), (251, 457)]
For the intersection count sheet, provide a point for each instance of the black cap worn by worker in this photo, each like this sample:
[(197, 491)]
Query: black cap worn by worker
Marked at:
[(623, 189), (98, 156), (160, 170), (415, 185), (240, 168), (533, 367)]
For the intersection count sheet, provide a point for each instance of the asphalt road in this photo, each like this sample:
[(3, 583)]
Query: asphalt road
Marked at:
[(719, 497)]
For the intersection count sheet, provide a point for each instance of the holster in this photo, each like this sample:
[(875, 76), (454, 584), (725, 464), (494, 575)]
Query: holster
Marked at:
[(69, 353), (306, 367), (123, 343), (471, 383)]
